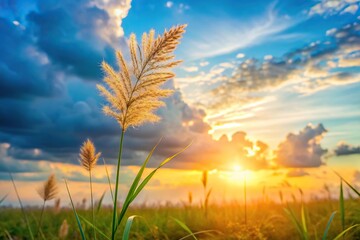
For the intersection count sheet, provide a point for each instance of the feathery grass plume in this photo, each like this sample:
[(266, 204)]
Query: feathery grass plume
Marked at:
[(134, 91), (88, 158), (57, 206), (207, 193), (49, 189), (63, 230), (47, 192), (133, 103)]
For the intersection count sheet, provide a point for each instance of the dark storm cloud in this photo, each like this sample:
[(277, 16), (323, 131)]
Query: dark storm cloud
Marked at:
[(24, 72), (43, 115), (57, 36), (346, 149)]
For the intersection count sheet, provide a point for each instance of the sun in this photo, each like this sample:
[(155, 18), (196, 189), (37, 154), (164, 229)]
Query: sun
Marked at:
[(237, 168)]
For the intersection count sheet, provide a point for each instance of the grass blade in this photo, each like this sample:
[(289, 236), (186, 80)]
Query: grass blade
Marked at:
[(100, 203), (75, 213), (148, 177), (22, 208), (183, 225), (342, 205), (92, 226), (328, 225), (128, 225), (3, 198), (345, 231), (347, 183), (136, 181), (202, 232), (108, 178), (133, 187), (134, 192), (303, 221), (294, 220)]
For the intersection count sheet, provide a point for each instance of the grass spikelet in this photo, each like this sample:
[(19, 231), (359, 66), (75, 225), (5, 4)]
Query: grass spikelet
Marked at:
[(204, 179), (88, 156), (47, 192), (134, 103), (57, 205), (133, 94), (63, 230), (49, 189)]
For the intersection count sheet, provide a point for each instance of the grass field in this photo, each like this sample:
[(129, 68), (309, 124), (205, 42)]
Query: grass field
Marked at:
[(226, 221), (137, 80)]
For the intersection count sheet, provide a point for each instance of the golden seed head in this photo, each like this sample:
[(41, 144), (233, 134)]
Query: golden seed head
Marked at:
[(190, 198), (88, 156), (204, 178), (133, 103), (64, 230), (49, 190)]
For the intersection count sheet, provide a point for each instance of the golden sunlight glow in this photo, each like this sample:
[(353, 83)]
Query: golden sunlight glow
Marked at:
[(118, 12), (238, 175), (214, 171), (237, 168), (226, 126), (252, 151)]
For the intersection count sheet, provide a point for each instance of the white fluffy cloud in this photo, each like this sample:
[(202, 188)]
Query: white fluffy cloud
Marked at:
[(203, 64), (191, 69), (240, 55), (110, 30), (169, 4), (331, 7)]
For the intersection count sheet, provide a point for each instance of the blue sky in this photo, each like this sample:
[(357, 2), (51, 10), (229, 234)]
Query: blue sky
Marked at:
[(264, 69)]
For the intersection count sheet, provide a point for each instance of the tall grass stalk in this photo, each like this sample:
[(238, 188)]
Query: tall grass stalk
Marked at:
[(342, 205), (3, 198), (41, 218), (117, 186), (133, 94), (109, 181), (92, 205), (88, 158), (47, 192), (22, 208), (207, 193), (75, 213)]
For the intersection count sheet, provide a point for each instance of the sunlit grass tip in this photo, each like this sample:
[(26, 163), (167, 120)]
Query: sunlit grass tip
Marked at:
[(88, 156), (133, 93), (49, 189)]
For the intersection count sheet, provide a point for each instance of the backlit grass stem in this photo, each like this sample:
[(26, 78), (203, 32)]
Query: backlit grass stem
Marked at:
[(92, 204), (22, 208), (41, 218), (114, 226)]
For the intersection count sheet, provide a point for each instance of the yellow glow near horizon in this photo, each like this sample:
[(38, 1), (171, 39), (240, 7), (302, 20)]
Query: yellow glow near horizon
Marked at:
[(238, 175), (237, 168)]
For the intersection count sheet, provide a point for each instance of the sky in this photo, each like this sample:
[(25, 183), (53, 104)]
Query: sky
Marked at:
[(267, 90)]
